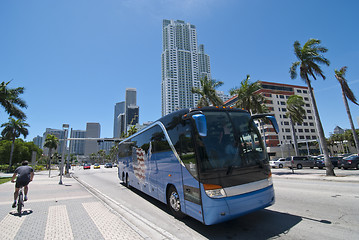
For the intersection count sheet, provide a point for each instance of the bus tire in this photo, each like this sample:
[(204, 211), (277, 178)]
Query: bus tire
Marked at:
[(173, 203), (127, 182)]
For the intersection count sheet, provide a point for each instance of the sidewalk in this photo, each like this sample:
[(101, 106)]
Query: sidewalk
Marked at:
[(316, 174), (55, 211)]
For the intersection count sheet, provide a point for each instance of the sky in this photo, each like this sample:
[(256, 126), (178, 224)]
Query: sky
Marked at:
[(75, 58)]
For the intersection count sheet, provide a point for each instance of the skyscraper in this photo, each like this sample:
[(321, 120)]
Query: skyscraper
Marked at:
[(132, 110), (118, 125), (183, 64), (92, 131), (77, 146)]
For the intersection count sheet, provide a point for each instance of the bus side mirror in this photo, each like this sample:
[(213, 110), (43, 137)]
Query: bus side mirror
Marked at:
[(274, 123), (271, 118), (201, 124)]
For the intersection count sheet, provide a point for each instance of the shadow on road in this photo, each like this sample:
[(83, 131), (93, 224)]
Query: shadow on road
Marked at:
[(263, 224)]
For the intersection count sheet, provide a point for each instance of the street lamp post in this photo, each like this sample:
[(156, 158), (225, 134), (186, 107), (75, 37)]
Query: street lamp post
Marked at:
[(65, 127)]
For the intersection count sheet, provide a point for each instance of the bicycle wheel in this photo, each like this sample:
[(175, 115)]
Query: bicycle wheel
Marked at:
[(20, 203)]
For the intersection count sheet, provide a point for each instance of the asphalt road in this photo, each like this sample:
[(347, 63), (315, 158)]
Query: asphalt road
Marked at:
[(304, 209)]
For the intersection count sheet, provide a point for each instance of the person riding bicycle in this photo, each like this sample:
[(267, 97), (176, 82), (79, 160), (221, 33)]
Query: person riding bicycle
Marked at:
[(24, 174)]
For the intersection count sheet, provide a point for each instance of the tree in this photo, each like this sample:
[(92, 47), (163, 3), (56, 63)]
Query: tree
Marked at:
[(10, 100), (113, 153), (12, 130), (132, 130), (51, 142), (101, 155), (308, 59), (248, 98), (347, 93), (22, 151), (207, 91), (295, 113)]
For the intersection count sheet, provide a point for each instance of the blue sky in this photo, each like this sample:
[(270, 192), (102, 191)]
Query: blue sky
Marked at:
[(76, 58)]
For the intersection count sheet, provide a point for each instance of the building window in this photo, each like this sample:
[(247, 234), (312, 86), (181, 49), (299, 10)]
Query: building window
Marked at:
[(310, 117), (305, 91), (306, 99), (300, 130), (309, 111), (299, 91), (312, 130)]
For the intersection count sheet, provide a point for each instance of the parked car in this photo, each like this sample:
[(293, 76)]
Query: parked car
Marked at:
[(108, 165), (87, 166), (279, 163), (320, 163), (350, 162), (301, 161), (96, 166)]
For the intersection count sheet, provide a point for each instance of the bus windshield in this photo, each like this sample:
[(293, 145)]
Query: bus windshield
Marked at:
[(232, 141)]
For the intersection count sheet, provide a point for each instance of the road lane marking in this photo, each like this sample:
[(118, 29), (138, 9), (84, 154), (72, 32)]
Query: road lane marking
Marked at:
[(109, 224), (10, 225), (58, 224)]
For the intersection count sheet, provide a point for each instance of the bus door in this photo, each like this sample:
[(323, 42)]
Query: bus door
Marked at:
[(191, 187)]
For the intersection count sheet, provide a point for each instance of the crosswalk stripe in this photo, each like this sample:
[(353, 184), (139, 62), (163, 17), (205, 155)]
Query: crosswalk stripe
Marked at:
[(10, 225), (58, 224), (109, 224)]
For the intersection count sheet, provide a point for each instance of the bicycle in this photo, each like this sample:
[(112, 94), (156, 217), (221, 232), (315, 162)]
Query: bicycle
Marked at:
[(20, 201)]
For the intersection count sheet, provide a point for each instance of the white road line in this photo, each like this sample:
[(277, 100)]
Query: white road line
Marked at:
[(58, 224), (109, 224), (10, 225)]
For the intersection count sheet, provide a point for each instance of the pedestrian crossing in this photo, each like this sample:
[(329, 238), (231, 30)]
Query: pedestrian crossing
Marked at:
[(58, 223)]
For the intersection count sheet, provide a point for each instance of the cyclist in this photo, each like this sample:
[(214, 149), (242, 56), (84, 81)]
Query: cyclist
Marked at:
[(25, 174)]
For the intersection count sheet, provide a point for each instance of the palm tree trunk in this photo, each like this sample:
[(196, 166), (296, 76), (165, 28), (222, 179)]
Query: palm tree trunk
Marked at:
[(295, 143), (50, 161), (11, 153), (351, 121), (323, 142)]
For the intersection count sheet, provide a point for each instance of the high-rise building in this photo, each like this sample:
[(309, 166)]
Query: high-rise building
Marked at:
[(183, 64), (92, 131), (118, 126), (77, 147), (60, 134), (132, 115), (126, 113), (132, 110), (38, 141)]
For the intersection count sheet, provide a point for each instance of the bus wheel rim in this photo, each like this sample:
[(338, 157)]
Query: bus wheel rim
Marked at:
[(174, 201)]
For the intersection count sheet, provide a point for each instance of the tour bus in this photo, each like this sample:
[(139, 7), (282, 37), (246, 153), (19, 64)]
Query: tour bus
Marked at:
[(209, 163)]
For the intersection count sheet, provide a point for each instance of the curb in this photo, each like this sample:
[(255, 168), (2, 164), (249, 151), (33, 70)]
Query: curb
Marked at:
[(127, 215)]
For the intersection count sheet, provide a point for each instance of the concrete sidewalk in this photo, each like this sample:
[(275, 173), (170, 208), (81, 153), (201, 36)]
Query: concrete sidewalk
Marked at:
[(316, 174), (66, 211)]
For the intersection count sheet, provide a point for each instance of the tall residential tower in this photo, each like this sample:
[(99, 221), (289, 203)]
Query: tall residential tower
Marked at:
[(183, 64)]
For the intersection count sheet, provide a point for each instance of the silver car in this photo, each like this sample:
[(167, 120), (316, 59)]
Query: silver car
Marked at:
[(279, 163), (301, 161)]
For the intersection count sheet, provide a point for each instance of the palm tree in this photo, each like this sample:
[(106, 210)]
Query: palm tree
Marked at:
[(132, 130), (101, 155), (51, 142), (9, 99), (308, 59), (12, 130), (295, 113), (347, 93), (248, 98), (208, 92)]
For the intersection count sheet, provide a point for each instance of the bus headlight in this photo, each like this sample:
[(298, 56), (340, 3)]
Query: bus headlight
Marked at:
[(214, 191)]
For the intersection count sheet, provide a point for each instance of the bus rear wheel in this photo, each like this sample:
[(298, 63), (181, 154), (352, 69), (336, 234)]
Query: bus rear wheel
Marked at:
[(127, 182), (174, 204)]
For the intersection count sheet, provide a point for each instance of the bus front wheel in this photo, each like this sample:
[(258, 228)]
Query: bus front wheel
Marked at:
[(174, 204)]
